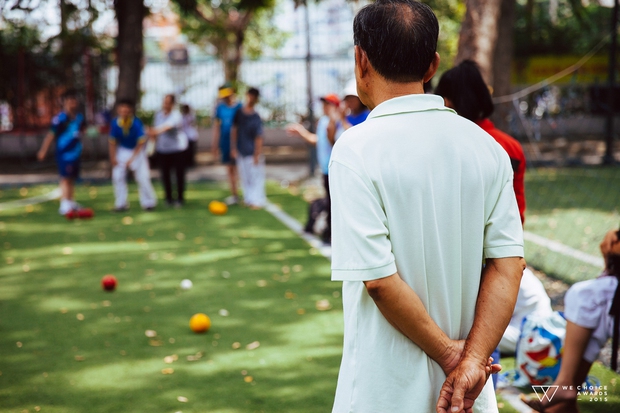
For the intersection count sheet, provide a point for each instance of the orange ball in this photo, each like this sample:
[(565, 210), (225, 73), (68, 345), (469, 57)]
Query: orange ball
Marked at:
[(217, 208), (200, 323)]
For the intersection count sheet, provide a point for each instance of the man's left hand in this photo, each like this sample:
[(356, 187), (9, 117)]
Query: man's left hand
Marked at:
[(463, 385)]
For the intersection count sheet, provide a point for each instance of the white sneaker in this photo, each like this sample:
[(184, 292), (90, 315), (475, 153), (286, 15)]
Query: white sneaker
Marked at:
[(65, 206), (231, 200)]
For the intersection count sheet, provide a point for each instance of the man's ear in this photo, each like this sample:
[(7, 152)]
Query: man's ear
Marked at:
[(361, 62), (432, 68)]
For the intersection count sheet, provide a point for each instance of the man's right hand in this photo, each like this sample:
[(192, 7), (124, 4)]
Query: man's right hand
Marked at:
[(114, 162), (40, 156), (463, 385)]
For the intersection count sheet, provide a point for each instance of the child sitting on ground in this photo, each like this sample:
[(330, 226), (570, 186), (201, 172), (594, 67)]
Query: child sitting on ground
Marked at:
[(592, 310)]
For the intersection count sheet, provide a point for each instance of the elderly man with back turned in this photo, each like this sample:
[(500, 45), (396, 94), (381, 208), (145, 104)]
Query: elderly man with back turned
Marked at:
[(420, 197)]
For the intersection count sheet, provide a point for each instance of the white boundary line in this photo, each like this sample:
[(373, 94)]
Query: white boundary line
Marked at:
[(297, 228), (564, 249), (54, 194)]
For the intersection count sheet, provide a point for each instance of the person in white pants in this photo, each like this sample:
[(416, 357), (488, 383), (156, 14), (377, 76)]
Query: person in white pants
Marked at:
[(126, 145), (246, 147)]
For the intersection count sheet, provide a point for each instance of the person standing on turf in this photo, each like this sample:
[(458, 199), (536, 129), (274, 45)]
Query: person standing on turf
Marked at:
[(170, 144), (222, 124), (66, 130), (328, 128), (357, 112), (420, 196), (126, 147), (247, 147)]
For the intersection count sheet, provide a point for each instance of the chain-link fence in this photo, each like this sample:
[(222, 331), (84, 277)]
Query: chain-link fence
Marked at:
[(573, 199)]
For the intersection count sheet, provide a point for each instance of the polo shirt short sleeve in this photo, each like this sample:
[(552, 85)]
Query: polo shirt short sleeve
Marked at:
[(127, 137), (503, 232), (361, 228)]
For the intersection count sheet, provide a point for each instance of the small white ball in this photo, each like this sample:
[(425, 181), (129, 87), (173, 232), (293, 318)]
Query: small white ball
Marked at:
[(186, 284)]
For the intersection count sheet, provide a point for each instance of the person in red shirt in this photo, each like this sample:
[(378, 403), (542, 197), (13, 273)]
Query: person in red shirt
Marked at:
[(464, 90)]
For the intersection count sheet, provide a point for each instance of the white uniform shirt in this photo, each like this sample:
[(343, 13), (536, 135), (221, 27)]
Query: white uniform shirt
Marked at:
[(174, 139), (418, 190)]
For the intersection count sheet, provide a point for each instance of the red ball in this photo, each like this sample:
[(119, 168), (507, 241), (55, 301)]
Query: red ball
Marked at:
[(108, 282)]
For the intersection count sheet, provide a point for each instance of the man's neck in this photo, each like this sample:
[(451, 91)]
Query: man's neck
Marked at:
[(385, 90)]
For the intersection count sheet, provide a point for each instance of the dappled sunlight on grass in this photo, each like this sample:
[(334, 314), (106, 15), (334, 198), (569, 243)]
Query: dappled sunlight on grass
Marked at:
[(68, 346)]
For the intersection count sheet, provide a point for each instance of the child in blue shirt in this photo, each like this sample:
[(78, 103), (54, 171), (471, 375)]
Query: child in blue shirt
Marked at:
[(222, 125), (126, 145), (66, 130)]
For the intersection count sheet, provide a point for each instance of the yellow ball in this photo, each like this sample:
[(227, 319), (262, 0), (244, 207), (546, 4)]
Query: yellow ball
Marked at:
[(200, 323), (217, 208)]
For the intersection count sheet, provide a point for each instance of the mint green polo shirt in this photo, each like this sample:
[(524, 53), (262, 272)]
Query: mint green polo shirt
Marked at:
[(418, 190)]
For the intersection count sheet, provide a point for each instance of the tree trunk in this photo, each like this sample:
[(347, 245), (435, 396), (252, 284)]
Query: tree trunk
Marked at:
[(479, 34), (129, 47), (502, 62)]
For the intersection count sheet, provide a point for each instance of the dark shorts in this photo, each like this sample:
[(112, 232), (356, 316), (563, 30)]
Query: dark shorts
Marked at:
[(69, 169)]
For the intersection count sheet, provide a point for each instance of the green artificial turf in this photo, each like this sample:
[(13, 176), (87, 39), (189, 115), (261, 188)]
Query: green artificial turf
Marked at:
[(68, 346), (576, 207)]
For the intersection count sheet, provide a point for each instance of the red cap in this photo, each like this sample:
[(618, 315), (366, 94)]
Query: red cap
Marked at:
[(331, 98)]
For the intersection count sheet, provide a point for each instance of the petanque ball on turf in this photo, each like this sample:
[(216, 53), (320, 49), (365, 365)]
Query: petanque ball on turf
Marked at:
[(200, 323), (217, 208), (186, 284), (108, 282)]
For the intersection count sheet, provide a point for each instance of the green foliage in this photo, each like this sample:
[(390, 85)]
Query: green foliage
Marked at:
[(449, 13), (574, 29)]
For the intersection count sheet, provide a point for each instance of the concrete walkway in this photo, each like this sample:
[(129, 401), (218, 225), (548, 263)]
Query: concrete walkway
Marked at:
[(292, 172)]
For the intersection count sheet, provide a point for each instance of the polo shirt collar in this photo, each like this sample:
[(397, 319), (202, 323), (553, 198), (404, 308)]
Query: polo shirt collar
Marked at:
[(408, 104)]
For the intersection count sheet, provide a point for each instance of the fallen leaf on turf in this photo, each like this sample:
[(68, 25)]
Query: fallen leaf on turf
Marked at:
[(223, 312), (301, 311), (289, 295), (167, 371), (19, 344), (261, 283), (286, 269), (253, 345), (171, 359), (182, 399), (235, 345), (127, 220), (67, 250), (156, 343), (37, 408), (106, 303), (80, 316), (323, 305), (79, 358), (248, 379), (297, 268), (180, 236), (241, 284), (64, 310), (150, 333)]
